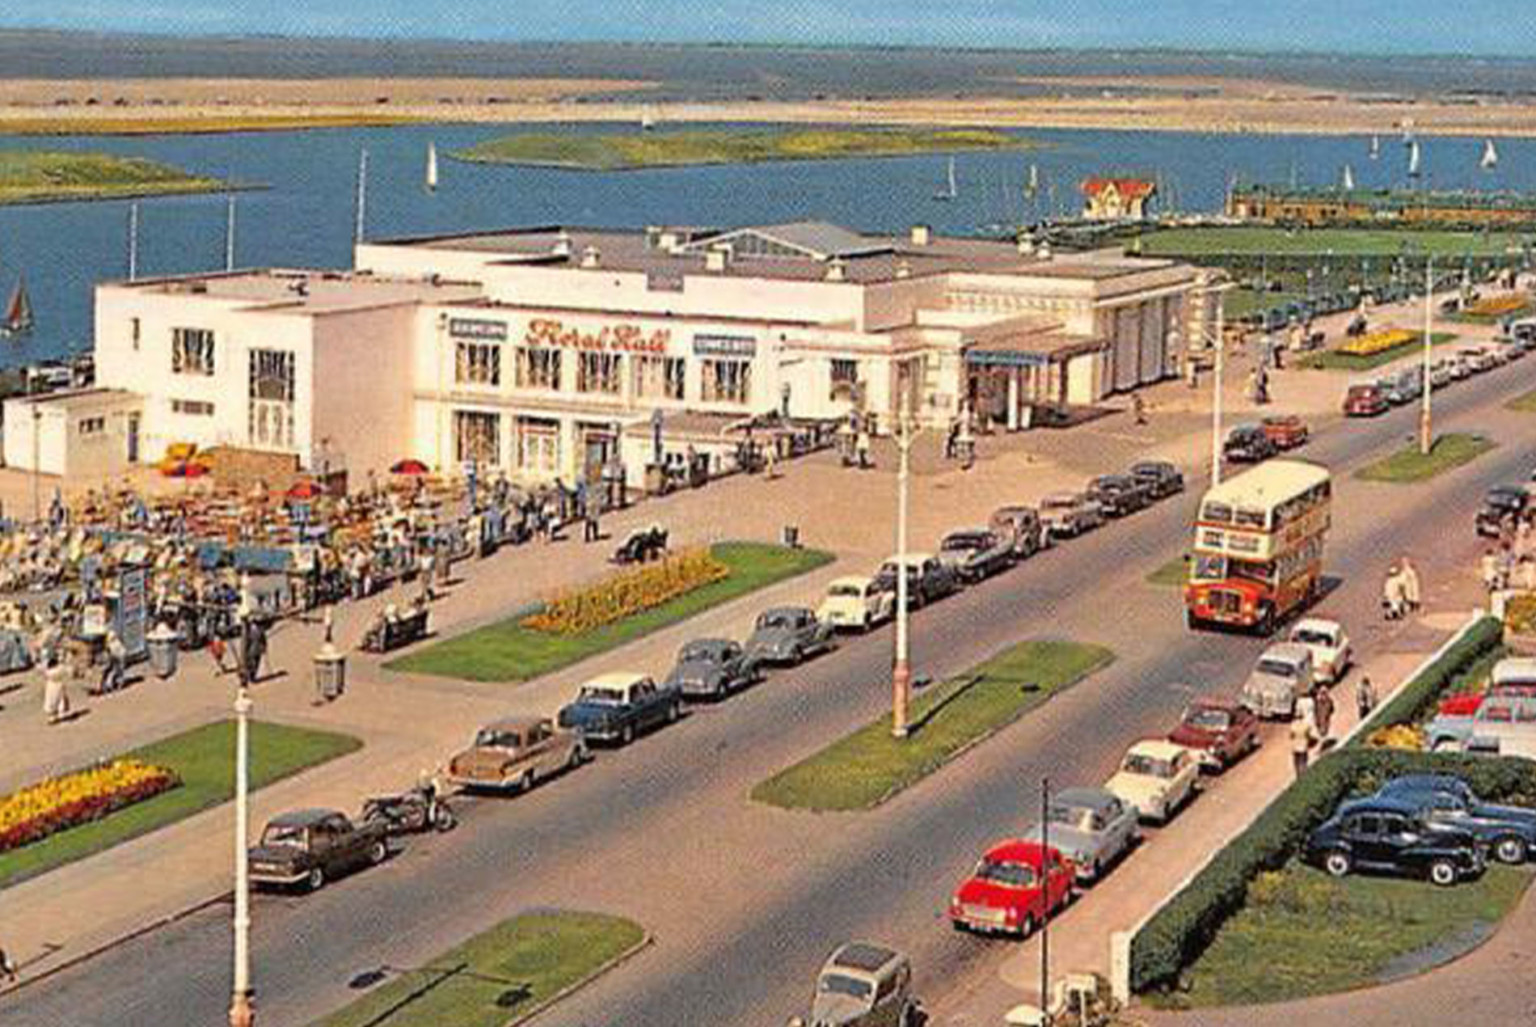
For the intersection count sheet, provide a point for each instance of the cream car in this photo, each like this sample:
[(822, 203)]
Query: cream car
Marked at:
[(1331, 651), (856, 604), (1157, 777)]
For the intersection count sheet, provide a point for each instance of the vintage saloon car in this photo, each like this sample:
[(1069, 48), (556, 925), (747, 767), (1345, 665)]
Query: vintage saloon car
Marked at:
[(1388, 835), (1508, 831), (928, 577), (787, 635), (1329, 645), (856, 604), (1248, 444), (1157, 777), (863, 985), (1502, 506), (1016, 885), (975, 553), (1282, 675), (1218, 731), (1091, 827), (1021, 527), (1066, 514), (1286, 431), (1162, 477), (712, 668), (1119, 495), (308, 847), (515, 754), (617, 707)]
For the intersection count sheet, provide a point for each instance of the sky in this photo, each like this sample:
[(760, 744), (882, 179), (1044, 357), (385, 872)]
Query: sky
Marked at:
[(1474, 27)]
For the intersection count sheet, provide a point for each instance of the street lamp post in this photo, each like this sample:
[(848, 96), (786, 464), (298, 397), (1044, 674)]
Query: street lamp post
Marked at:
[(1426, 430), (901, 671), (242, 1012), (1221, 348)]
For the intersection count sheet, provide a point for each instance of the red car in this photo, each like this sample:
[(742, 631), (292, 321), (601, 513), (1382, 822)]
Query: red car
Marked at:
[(1364, 401), (1219, 731), (1012, 888), (1286, 431)]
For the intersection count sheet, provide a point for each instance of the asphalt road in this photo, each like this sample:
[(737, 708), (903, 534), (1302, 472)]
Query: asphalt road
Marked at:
[(758, 896)]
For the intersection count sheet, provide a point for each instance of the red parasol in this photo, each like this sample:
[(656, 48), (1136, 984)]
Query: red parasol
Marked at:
[(412, 467), (305, 490)]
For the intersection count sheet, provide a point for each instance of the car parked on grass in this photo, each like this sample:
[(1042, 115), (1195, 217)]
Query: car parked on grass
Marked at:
[(863, 985), (1503, 725), (1217, 730), (1118, 495), (711, 669), (1502, 505), (1016, 885), (1021, 527), (1364, 400), (1092, 827), (1160, 476), (515, 753), (975, 553), (1508, 831), (1157, 777), (1280, 677), (1387, 835), (307, 847), (856, 604), (787, 635), (1069, 514), (1332, 652), (1247, 444), (616, 707), (1285, 431), (928, 578)]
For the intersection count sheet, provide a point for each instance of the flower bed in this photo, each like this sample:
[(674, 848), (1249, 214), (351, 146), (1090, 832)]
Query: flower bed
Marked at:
[(59, 803), (1377, 342), (631, 592), (1494, 306)]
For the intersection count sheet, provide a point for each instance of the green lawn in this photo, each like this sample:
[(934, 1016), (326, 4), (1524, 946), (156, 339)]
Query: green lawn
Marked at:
[(1408, 465), (507, 651), (1525, 403), (28, 176), (203, 758), (498, 978), (621, 151), (1303, 933), (1171, 574), (1259, 240), (1333, 360), (867, 767)]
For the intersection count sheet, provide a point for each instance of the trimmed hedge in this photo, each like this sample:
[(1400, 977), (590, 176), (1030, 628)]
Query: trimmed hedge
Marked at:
[(1179, 932)]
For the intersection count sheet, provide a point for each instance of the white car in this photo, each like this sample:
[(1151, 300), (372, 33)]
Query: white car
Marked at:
[(1157, 777), (1329, 645), (856, 604)]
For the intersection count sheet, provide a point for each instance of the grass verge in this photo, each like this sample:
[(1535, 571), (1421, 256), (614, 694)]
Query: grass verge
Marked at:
[(867, 767), (631, 150), (1324, 243), (1303, 933), (202, 757), (500, 977), (1171, 574), (1333, 360), (507, 651), (1408, 465), (1525, 403)]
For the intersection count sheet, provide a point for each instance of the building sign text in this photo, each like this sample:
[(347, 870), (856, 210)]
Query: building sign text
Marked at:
[(724, 346), (477, 328), (619, 338)]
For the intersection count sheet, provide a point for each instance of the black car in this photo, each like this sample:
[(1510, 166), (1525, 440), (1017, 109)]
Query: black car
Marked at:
[(928, 578), (1160, 476), (1248, 444), (712, 668), (307, 847), (1388, 835), (1502, 505), (1509, 831), (1119, 494)]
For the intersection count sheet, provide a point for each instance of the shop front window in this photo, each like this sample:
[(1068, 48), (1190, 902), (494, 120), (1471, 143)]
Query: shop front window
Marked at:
[(658, 377), (538, 446), (476, 437), (598, 372), (271, 398), (726, 381)]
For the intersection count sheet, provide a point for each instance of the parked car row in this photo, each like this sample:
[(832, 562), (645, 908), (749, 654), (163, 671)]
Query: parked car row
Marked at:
[(1370, 398), (1069, 514)]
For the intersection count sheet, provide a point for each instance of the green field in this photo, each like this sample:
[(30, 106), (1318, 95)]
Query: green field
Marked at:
[(1408, 465), (1525, 403), (500, 977), (1262, 240), (867, 767), (1171, 574), (31, 177), (629, 151), (1333, 360), (1303, 933), (507, 651), (204, 760)]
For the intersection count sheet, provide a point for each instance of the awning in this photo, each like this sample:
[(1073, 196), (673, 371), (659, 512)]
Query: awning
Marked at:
[(1029, 349)]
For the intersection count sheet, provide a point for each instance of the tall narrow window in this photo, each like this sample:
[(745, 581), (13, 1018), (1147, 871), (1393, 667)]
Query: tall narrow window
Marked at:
[(271, 398), (191, 351)]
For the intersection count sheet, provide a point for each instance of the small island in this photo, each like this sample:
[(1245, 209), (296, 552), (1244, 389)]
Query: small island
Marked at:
[(45, 177), (627, 151)]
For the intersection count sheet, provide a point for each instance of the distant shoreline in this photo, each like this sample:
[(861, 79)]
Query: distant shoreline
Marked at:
[(213, 187)]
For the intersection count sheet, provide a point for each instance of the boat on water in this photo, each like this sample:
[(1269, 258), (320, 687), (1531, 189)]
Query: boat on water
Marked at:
[(951, 189), (1414, 159), (431, 178), (1349, 179), (1490, 158), (1375, 147), (647, 119), (18, 312), (1034, 181)]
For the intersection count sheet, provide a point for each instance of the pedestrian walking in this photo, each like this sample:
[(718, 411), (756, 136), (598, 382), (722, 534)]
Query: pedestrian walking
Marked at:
[(1411, 595), (771, 460), (216, 649), (7, 967), (328, 620), (1139, 407), (952, 439), (1302, 737), (56, 705), (1324, 715), (1306, 708), (862, 447), (1490, 571), (117, 663), (427, 571), (590, 530), (1392, 604), (1365, 696)]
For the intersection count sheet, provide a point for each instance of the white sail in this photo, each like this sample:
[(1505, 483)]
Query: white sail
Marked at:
[(1349, 178), (431, 180), (1490, 156), (1375, 147), (1034, 179), (1413, 159), (950, 191)]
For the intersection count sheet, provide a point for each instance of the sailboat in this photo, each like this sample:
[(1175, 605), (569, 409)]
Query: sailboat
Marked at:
[(1034, 182), (1413, 159), (647, 118), (1349, 179), (1490, 158), (18, 312), (952, 190), (1375, 147), (431, 179)]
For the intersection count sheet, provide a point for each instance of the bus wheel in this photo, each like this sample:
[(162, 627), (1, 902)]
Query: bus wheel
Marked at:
[(1192, 622), (1266, 622)]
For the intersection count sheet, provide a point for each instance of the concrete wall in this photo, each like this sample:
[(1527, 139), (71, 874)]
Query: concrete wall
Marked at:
[(62, 445), (361, 381)]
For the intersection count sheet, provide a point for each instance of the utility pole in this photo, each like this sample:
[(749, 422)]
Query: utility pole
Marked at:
[(362, 196), (241, 1011), (1426, 431), (229, 235), (1221, 348), (901, 672), (133, 241)]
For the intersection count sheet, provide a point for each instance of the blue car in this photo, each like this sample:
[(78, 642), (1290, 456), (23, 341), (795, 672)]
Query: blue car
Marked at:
[(615, 708), (1446, 800)]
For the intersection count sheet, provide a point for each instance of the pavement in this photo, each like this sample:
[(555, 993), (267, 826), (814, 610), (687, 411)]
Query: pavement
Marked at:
[(612, 836)]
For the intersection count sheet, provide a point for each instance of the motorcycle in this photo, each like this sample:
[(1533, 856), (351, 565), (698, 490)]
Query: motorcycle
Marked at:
[(414, 812)]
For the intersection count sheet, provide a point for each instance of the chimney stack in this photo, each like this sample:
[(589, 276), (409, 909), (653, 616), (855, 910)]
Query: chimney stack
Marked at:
[(590, 257), (562, 246), (837, 270)]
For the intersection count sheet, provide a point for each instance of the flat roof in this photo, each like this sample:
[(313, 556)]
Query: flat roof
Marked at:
[(76, 397), (310, 290)]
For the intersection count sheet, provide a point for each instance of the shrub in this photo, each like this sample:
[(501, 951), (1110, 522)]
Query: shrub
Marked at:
[(1179, 932), (1520, 614), (627, 593)]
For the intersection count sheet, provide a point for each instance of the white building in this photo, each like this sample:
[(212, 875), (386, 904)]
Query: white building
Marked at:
[(545, 351)]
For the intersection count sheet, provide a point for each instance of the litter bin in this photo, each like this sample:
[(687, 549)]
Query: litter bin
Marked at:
[(164, 646), (791, 536), (330, 673)]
